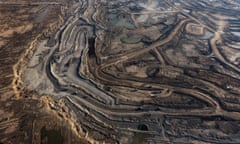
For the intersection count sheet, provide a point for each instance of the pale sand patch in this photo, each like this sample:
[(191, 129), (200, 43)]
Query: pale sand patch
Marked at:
[(2, 42)]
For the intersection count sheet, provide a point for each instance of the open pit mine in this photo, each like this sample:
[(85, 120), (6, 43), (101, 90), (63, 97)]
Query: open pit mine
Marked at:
[(120, 72)]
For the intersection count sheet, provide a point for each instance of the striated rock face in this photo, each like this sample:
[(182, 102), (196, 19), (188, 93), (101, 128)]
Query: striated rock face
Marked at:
[(24, 117), (126, 71)]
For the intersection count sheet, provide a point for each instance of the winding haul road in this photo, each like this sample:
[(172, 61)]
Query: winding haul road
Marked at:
[(74, 75)]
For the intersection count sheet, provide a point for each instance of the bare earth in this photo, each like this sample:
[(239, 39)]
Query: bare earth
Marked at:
[(128, 72)]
